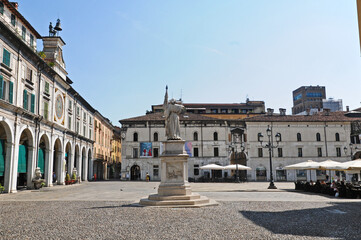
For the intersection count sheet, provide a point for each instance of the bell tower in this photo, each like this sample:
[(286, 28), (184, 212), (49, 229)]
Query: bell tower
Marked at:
[(53, 50)]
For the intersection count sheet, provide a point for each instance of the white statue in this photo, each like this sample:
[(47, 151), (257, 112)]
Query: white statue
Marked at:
[(172, 109)]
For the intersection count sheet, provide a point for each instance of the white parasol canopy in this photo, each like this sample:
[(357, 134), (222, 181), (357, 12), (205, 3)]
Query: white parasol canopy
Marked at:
[(212, 167), (234, 167), (308, 165), (352, 165), (331, 165)]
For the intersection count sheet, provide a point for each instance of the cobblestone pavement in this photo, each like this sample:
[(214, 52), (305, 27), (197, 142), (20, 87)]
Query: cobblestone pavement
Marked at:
[(95, 211)]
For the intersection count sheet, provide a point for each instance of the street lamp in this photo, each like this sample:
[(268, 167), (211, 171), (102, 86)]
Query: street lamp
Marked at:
[(351, 149), (270, 146), (231, 149)]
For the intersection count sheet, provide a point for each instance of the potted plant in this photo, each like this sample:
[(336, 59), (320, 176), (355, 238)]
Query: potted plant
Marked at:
[(67, 179), (2, 189), (73, 178)]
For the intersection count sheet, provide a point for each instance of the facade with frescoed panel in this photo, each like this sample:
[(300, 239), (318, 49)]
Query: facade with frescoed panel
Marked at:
[(207, 141), (44, 122)]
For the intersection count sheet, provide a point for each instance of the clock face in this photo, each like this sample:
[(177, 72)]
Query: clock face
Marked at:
[(123, 135), (59, 106)]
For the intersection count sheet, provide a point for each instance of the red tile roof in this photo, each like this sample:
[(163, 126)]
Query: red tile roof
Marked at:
[(319, 117)]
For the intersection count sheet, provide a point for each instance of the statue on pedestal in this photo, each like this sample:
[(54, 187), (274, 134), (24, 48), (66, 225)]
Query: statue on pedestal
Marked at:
[(172, 109)]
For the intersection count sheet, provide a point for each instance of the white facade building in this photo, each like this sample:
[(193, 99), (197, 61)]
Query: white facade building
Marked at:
[(207, 141), (44, 122), (318, 137)]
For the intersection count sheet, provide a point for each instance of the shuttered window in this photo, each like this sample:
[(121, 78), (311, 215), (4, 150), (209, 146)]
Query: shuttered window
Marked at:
[(13, 20), (46, 107), (32, 104), (1, 8), (6, 57), (1, 87), (46, 88), (25, 99), (11, 89), (23, 32)]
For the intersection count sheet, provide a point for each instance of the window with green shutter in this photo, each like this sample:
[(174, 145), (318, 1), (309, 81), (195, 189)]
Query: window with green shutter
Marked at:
[(1, 8), (46, 109), (23, 32), (6, 57), (11, 89), (13, 20), (46, 88), (25, 99), (1, 87), (31, 40), (32, 104)]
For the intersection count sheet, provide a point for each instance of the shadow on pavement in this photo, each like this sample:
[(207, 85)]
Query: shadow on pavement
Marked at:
[(341, 220), (121, 206)]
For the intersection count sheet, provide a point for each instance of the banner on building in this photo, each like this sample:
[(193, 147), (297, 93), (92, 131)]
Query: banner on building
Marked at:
[(188, 147), (146, 149)]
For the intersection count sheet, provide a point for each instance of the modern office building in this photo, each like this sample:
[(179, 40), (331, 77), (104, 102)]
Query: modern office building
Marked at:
[(306, 98)]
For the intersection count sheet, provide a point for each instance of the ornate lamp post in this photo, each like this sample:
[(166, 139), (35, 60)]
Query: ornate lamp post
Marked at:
[(231, 149), (351, 148), (270, 146)]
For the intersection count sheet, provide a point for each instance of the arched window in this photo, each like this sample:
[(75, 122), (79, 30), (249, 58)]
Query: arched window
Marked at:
[(155, 137), (195, 136), (318, 137), (299, 139), (215, 136), (337, 136), (280, 137), (135, 137)]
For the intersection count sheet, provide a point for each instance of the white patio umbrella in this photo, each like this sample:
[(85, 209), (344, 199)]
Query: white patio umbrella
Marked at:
[(212, 167), (308, 165), (331, 165), (353, 166), (234, 167)]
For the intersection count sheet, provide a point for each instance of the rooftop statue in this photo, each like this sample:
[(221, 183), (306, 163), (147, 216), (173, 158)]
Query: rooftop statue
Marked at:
[(172, 109)]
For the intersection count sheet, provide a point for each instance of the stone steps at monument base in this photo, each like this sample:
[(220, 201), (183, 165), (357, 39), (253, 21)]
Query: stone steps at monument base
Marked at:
[(178, 203), (157, 197)]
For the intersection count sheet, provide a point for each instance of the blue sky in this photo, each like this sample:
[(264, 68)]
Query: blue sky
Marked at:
[(121, 54)]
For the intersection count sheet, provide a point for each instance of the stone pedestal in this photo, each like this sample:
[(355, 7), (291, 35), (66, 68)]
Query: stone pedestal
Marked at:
[(174, 189)]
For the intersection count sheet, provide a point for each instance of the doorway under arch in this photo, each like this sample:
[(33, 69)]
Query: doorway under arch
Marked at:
[(26, 147), (135, 173), (68, 159)]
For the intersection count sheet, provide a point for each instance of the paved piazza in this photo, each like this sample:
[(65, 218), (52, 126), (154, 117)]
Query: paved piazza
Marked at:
[(103, 210)]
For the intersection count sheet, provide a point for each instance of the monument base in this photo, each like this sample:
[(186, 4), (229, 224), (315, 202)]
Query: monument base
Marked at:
[(193, 200), (175, 190)]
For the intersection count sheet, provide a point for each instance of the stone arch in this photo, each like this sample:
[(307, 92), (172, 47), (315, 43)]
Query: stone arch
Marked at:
[(58, 163), (76, 157), (6, 146), (135, 172), (25, 165)]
